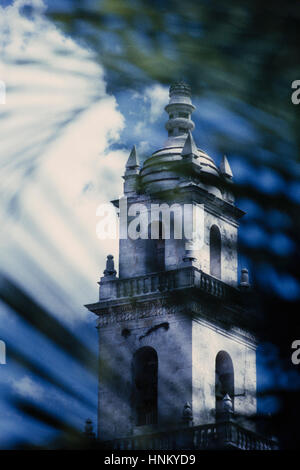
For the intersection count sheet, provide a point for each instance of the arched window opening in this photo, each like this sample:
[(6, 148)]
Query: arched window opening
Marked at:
[(145, 367), (215, 252), (224, 382), (156, 247)]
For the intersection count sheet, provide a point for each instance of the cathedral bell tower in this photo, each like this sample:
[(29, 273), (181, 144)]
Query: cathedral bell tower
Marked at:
[(177, 352)]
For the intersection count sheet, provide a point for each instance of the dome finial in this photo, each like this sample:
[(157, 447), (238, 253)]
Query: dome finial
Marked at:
[(244, 284), (187, 414), (180, 87), (88, 429), (110, 267), (179, 109)]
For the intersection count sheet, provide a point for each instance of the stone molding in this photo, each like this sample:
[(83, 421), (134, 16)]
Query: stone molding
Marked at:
[(136, 311)]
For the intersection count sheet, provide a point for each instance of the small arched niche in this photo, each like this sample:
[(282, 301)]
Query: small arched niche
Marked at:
[(215, 251), (156, 247), (144, 383), (224, 380)]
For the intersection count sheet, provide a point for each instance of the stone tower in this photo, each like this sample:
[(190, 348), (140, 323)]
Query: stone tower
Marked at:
[(176, 348)]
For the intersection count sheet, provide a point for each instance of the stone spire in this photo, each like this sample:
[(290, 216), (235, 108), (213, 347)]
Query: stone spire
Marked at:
[(189, 148), (225, 168), (179, 109), (132, 162), (132, 170)]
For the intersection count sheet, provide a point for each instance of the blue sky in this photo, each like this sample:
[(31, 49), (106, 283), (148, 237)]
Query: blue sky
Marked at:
[(51, 192)]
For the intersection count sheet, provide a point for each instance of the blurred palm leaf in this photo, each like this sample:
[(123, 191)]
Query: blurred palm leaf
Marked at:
[(242, 57)]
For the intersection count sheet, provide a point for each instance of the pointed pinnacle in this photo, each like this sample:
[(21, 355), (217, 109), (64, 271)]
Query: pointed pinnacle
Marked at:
[(132, 161), (225, 167), (190, 147)]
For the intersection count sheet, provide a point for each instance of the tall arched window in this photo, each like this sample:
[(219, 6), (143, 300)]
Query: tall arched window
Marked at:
[(224, 379), (144, 397), (156, 247), (215, 252)]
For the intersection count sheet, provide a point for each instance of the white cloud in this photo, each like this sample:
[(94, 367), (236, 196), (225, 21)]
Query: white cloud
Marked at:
[(143, 147), (72, 177), (159, 97), (26, 387), (139, 128)]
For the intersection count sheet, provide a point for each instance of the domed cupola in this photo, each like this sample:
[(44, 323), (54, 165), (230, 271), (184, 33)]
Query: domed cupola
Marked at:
[(180, 162)]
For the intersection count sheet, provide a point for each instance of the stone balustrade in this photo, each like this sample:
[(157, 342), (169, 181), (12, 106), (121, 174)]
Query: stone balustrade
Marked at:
[(211, 436), (182, 278)]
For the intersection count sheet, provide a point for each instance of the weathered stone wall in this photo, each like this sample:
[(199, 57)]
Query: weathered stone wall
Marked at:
[(187, 351), (135, 255), (208, 341), (174, 349)]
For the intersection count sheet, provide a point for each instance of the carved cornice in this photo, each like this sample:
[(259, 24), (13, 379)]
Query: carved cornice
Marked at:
[(135, 311)]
